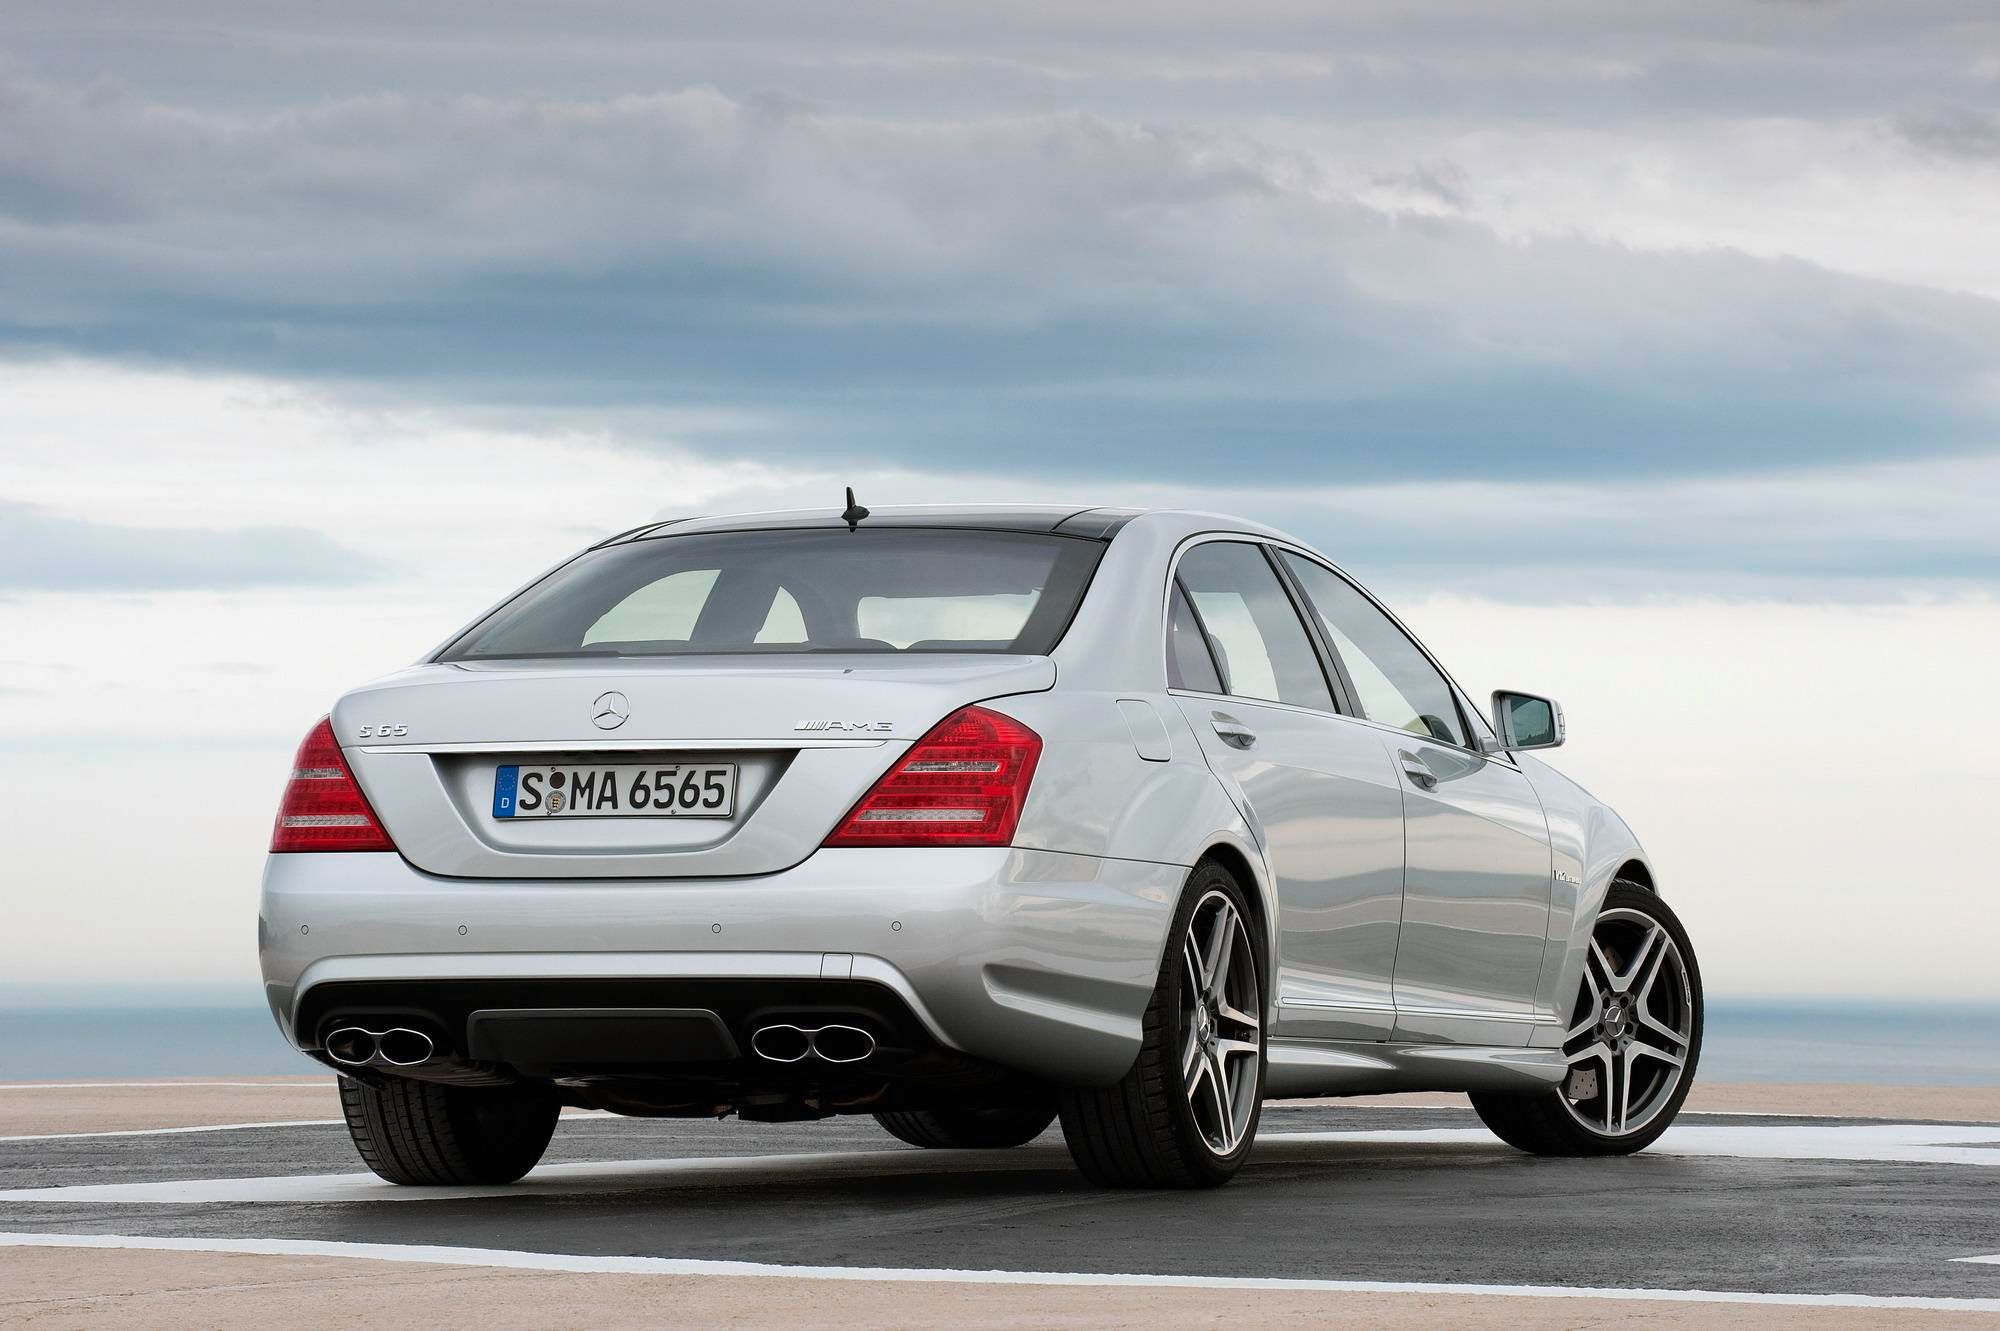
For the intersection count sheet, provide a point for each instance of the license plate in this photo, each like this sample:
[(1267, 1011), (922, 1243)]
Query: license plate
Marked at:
[(620, 790)]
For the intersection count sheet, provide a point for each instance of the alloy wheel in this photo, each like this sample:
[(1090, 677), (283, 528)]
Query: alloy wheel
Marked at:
[(1220, 1013), (1631, 1033)]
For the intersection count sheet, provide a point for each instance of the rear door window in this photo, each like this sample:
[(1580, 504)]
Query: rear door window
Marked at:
[(1261, 649), (1189, 665)]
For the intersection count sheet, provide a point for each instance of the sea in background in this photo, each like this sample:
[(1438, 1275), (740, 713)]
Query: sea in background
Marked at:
[(66, 1034)]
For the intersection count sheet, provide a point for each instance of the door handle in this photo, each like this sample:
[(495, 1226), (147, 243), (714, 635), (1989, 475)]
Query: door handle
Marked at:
[(1420, 776), (1231, 731)]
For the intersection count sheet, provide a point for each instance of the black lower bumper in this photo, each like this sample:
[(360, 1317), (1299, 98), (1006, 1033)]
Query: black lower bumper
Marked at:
[(658, 1046)]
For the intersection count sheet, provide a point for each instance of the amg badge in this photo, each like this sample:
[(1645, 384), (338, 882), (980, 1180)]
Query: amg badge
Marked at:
[(872, 727)]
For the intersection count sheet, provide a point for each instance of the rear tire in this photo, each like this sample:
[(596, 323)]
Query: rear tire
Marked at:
[(969, 1129), (425, 1133), (1186, 1114), (1640, 1007)]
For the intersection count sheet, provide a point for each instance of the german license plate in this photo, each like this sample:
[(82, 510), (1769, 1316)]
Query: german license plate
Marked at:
[(620, 790)]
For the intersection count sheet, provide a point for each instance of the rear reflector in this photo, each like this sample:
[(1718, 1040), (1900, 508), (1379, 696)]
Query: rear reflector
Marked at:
[(323, 808), (963, 784)]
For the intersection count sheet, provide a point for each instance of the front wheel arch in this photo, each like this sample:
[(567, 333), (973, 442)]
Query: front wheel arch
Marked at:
[(1636, 873)]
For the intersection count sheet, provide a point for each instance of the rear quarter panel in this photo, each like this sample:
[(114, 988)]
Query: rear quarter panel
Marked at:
[(1095, 795)]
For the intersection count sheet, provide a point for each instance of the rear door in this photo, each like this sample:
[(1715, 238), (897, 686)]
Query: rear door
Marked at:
[(1477, 882), (1316, 788)]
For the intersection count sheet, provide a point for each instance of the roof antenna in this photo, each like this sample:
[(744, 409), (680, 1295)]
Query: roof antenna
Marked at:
[(853, 514)]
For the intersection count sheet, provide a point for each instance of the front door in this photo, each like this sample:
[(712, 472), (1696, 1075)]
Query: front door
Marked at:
[(1475, 896), (1477, 880), (1317, 789)]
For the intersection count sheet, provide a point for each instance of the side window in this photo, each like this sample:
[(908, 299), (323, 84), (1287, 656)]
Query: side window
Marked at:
[(1261, 648), (1394, 682), (1189, 666)]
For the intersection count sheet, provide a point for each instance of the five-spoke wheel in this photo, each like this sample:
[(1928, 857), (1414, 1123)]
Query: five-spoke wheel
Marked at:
[(1220, 1044), (1633, 1028), (1631, 1044), (1186, 1113)]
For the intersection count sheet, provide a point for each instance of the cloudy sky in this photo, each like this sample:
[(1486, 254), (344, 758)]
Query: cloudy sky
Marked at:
[(1653, 362)]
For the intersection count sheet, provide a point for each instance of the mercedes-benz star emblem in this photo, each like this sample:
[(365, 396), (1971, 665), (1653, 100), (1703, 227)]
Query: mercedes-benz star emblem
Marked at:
[(609, 711)]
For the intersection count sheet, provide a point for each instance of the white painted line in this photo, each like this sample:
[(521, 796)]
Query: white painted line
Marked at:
[(169, 1132), (1894, 1143), (671, 1266), (588, 1176), (239, 1127), (169, 1085), (605, 1113), (1990, 1259), (1886, 1143)]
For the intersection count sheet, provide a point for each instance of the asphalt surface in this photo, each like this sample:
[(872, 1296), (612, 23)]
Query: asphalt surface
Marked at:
[(1463, 1209)]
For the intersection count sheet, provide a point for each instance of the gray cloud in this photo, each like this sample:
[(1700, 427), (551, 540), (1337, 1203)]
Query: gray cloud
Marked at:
[(1072, 291), (1951, 129), (43, 552), (1855, 533)]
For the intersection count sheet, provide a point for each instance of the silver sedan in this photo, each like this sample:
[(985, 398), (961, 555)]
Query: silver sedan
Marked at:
[(969, 819)]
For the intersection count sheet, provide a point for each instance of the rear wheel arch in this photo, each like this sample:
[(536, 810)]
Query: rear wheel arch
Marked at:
[(1185, 1114), (1231, 857)]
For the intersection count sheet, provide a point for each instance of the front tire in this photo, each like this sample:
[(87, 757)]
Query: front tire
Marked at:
[(1186, 1114), (425, 1133), (969, 1129), (1633, 1040)]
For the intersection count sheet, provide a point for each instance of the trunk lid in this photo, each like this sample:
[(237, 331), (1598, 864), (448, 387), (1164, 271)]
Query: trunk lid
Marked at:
[(808, 735)]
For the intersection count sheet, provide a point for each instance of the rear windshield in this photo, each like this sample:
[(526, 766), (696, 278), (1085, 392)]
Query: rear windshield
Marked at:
[(889, 589)]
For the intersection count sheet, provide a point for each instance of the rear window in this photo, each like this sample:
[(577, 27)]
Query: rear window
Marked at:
[(889, 589)]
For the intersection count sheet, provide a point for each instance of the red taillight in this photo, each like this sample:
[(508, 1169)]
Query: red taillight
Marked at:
[(323, 808), (963, 784)]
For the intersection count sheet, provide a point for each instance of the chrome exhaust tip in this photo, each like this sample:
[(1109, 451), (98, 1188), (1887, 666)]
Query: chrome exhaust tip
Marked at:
[(781, 1044), (351, 1046), (403, 1047), (842, 1044)]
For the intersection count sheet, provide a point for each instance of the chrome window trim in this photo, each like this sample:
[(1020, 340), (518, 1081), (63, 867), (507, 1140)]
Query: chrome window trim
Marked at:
[(1247, 701)]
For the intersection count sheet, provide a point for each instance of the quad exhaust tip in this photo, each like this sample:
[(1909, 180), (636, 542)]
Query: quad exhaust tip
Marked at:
[(404, 1048), (352, 1046), (843, 1044), (397, 1047), (785, 1043)]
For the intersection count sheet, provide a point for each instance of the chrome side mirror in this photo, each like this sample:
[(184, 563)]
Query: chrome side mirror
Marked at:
[(1526, 721)]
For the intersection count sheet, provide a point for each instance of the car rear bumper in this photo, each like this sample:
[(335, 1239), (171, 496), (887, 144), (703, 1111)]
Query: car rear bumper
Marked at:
[(1038, 961)]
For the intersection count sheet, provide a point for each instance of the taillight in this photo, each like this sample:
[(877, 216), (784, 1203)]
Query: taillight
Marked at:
[(963, 784), (323, 808)]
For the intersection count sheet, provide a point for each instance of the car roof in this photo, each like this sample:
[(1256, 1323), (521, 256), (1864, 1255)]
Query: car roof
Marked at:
[(1066, 519)]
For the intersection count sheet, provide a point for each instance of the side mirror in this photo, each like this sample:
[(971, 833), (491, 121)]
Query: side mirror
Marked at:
[(1526, 721)]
